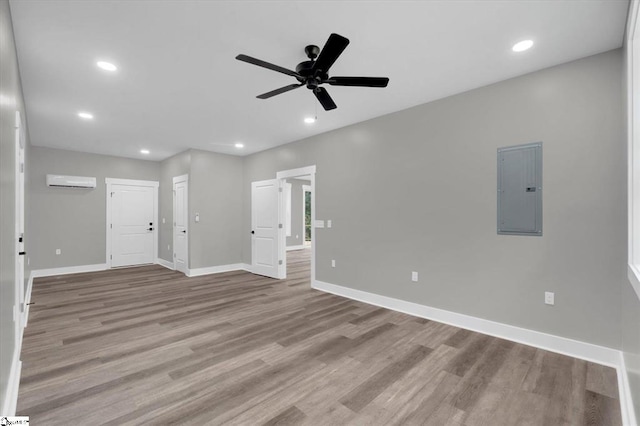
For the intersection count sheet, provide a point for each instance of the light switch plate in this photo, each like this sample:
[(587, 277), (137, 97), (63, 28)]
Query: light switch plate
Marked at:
[(329, 223), (549, 298), (414, 276)]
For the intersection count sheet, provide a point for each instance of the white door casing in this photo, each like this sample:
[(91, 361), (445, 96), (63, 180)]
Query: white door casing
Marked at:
[(19, 307), (181, 223), (132, 222), (266, 235)]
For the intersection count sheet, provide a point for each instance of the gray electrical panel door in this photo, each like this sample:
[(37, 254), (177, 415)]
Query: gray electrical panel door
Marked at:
[(520, 190)]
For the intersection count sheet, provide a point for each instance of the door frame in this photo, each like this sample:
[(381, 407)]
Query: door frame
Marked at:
[(177, 179), (19, 296), (282, 242), (109, 189), (305, 189)]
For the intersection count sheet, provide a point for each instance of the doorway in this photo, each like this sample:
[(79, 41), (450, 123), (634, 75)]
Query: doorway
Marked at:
[(132, 217), (181, 223), (306, 212)]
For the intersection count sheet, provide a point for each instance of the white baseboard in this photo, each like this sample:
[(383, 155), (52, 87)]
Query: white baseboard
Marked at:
[(69, 270), (562, 345), (299, 247), (626, 401), (166, 264), (11, 397), (218, 269)]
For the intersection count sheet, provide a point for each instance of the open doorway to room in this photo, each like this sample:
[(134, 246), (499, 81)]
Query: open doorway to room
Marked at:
[(298, 214), (306, 200), (297, 221), (279, 226)]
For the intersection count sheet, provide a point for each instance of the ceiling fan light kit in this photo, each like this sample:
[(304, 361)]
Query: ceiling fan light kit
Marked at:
[(315, 71)]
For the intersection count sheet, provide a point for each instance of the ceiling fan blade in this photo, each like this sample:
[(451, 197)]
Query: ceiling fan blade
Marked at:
[(324, 98), (278, 91), (263, 64), (334, 46), (358, 81)]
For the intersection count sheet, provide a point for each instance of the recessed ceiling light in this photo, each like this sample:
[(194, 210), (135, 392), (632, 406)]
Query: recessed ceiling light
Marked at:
[(309, 120), (107, 66), (523, 45), (144, 151), (85, 115), (239, 145)]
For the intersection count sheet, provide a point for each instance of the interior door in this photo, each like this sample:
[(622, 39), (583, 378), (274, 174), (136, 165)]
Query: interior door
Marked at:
[(132, 226), (265, 228), (180, 225)]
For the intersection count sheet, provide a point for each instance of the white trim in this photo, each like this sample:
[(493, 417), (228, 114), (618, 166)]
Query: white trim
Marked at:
[(11, 397), (301, 171), (633, 274), (50, 272), (176, 180), (561, 345), (218, 269), (626, 402), (130, 182), (298, 247), (160, 261), (633, 143), (181, 178), (27, 299)]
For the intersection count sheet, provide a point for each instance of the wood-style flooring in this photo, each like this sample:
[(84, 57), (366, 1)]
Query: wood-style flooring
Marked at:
[(150, 346)]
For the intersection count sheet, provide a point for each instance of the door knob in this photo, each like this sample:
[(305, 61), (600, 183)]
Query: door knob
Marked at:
[(22, 253), (184, 232), (253, 232), (150, 229)]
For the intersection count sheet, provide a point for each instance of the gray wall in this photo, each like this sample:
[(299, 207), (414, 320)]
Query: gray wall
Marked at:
[(297, 224), (12, 100), (215, 192), (416, 191), (72, 219), (178, 165)]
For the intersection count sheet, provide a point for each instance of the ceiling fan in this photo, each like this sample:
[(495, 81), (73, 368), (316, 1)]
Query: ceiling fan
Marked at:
[(314, 72)]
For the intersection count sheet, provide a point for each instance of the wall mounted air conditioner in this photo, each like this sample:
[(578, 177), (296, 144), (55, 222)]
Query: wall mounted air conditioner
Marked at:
[(71, 181)]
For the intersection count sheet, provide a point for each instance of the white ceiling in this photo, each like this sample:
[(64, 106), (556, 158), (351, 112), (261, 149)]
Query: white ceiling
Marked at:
[(178, 85)]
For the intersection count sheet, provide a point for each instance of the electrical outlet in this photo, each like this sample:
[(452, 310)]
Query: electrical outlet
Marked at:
[(28, 260), (58, 251), (549, 298), (163, 220), (333, 263), (329, 223), (414, 276)]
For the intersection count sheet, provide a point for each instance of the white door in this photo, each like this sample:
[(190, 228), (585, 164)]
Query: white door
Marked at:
[(19, 229), (265, 228), (133, 225), (180, 223)]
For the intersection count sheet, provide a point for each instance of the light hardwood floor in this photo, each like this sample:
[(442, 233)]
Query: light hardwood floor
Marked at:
[(149, 346)]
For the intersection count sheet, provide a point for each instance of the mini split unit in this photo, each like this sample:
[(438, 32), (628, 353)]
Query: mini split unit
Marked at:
[(71, 181)]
